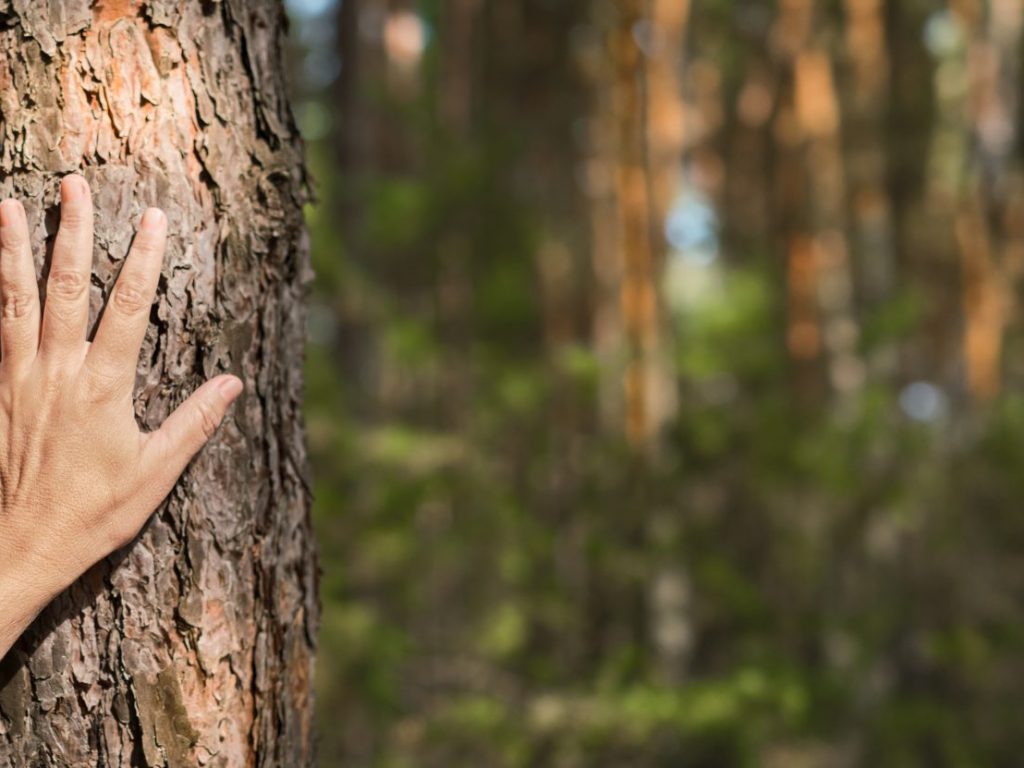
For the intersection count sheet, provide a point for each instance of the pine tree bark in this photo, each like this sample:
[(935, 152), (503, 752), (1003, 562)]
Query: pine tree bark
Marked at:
[(194, 645)]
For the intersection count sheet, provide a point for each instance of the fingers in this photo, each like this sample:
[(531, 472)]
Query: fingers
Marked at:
[(66, 312), (19, 292), (115, 348), (168, 451)]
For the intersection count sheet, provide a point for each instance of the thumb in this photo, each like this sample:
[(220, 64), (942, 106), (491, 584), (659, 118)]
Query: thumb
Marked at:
[(192, 424)]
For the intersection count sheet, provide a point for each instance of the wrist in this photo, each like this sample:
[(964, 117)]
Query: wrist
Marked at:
[(27, 586)]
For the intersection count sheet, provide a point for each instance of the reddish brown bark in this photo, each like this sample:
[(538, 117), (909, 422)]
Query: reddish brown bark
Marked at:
[(194, 645), (638, 149)]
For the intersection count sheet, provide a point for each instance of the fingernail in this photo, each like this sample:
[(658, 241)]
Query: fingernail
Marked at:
[(6, 215), (152, 219), (72, 188), (230, 388)]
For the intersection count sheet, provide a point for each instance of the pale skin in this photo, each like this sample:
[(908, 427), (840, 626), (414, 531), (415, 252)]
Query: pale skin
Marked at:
[(78, 478)]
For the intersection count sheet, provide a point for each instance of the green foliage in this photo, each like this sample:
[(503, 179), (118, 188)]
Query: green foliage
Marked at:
[(489, 543)]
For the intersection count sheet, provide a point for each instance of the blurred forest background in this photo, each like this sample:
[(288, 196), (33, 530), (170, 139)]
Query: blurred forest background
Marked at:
[(665, 384)]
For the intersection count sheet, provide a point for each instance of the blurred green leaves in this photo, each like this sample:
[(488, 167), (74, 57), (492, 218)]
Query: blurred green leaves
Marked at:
[(489, 541)]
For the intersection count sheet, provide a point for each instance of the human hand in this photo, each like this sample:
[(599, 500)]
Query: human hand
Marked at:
[(78, 479)]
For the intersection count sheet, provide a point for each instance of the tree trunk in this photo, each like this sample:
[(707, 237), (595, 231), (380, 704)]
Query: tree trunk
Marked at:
[(194, 645)]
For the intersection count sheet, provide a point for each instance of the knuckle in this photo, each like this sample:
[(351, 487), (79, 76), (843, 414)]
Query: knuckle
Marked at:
[(208, 419), (52, 382), (16, 303), (103, 383), (74, 216), (15, 239), (147, 248), (66, 284), (121, 532), (131, 296)]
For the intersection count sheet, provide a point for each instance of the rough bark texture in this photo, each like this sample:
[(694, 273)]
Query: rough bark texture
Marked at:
[(193, 646)]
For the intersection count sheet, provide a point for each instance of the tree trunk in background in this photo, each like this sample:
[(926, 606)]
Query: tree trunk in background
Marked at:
[(921, 248), (988, 219), (670, 620), (637, 148), (1006, 195), (648, 401), (822, 328), (193, 646), (866, 166), (790, 39)]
